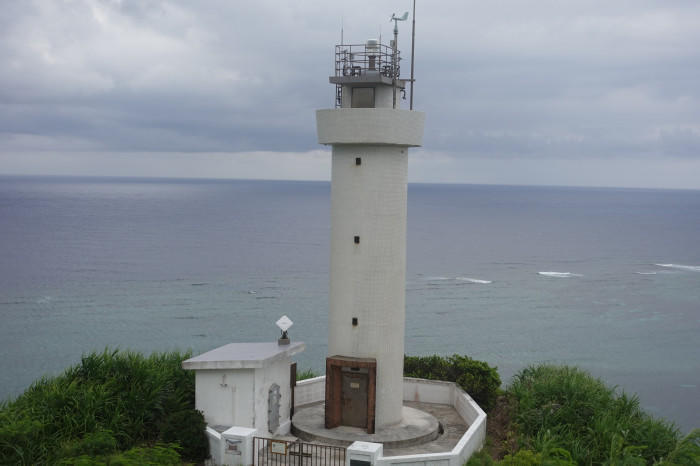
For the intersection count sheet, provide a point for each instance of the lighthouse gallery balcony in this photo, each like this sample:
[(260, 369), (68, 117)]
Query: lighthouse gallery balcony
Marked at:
[(370, 126)]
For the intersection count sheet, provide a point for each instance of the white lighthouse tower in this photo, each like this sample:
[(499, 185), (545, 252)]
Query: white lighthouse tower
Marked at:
[(370, 135)]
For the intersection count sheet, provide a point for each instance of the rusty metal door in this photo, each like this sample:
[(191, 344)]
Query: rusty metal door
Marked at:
[(354, 399)]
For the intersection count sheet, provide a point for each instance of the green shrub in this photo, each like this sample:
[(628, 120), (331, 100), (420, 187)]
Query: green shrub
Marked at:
[(565, 407), (687, 452), (112, 396), (306, 374), (555, 457), (480, 458), (187, 429), (20, 439), (522, 458), (100, 442), (477, 378), (157, 455)]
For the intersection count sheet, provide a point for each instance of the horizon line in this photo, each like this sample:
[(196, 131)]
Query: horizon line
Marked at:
[(452, 183)]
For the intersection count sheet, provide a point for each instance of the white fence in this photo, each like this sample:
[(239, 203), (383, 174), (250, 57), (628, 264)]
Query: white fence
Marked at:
[(428, 391)]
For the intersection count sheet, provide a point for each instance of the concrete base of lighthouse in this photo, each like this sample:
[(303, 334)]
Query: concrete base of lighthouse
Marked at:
[(415, 428)]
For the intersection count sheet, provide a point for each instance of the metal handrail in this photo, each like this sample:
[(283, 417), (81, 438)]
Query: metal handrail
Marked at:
[(360, 59)]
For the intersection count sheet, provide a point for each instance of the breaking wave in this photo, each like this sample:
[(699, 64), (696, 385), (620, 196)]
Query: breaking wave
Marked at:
[(460, 279), (559, 274), (473, 280), (692, 268)]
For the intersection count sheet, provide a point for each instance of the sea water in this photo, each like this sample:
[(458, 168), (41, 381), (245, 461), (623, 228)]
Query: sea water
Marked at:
[(605, 279)]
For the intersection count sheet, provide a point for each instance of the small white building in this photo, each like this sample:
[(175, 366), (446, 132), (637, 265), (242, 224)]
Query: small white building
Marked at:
[(243, 389)]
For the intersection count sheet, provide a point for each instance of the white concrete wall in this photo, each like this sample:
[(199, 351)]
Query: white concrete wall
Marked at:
[(433, 391), (370, 126), (383, 95), (428, 391), (239, 397), (367, 280), (431, 459), (225, 396), (474, 438), (310, 391), (277, 372)]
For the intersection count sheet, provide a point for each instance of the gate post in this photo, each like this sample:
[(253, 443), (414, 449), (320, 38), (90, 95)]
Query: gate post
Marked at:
[(238, 446), (363, 454)]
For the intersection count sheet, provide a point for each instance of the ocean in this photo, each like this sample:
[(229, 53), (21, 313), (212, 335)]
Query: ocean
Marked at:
[(605, 279)]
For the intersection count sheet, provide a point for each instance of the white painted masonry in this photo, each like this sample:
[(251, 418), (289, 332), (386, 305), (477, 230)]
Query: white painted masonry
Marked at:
[(233, 447), (367, 280), (368, 200), (310, 391), (383, 95), (232, 384), (370, 126), (428, 391), (226, 396), (364, 451)]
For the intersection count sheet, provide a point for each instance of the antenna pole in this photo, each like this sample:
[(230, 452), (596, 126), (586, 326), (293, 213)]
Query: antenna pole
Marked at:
[(396, 48), (413, 48)]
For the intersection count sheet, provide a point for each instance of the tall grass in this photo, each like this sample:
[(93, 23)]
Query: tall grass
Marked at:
[(306, 374), (132, 398), (565, 407), (477, 378)]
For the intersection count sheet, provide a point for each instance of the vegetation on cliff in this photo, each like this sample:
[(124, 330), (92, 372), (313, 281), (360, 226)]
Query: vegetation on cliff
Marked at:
[(109, 402), (477, 378), (119, 408), (561, 415)]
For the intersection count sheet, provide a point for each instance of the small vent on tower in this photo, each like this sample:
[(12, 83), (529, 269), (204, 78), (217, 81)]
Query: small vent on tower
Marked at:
[(354, 321), (357, 240), (358, 160)]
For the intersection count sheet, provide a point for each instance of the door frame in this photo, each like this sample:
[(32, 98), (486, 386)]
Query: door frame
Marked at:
[(334, 389)]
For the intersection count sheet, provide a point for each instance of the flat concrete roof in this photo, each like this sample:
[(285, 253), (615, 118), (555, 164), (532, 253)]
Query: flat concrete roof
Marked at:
[(369, 78), (243, 355)]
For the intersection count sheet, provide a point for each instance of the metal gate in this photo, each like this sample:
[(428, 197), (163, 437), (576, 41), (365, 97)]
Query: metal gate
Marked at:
[(272, 452)]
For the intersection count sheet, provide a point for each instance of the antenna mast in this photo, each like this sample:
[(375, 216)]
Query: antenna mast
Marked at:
[(396, 20), (413, 49)]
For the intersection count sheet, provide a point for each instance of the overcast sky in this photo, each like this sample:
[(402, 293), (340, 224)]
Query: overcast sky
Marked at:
[(592, 93)]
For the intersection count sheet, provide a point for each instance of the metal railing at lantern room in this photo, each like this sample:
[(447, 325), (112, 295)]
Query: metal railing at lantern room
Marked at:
[(361, 59)]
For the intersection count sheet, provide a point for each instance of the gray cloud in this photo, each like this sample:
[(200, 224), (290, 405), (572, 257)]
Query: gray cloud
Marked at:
[(513, 80)]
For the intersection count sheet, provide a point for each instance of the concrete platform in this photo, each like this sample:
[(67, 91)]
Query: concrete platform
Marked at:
[(453, 427), (417, 427)]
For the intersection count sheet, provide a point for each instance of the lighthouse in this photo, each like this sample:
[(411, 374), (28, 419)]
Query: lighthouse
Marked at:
[(370, 135)]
